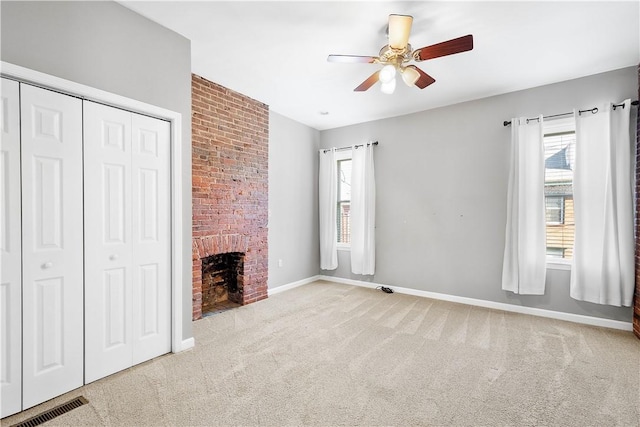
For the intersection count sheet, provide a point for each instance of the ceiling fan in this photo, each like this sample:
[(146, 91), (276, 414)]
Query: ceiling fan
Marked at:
[(396, 55)]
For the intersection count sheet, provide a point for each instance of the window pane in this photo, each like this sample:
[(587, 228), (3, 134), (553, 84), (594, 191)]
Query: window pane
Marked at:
[(344, 201), (558, 189), (344, 179), (344, 222)]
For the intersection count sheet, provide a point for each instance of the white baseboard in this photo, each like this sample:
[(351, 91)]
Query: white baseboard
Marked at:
[(186, 344), (277, 290), (569, 317)]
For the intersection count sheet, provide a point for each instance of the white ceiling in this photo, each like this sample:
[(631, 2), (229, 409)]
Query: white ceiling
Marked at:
[(276, 52)]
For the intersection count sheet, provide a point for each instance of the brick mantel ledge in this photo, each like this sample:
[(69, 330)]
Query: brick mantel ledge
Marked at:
[(214, 245)]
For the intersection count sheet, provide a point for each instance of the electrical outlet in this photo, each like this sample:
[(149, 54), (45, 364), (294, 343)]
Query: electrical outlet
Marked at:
[(279, 263)]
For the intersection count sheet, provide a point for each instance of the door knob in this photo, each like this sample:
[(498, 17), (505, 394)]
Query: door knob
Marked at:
[(47, 265), (113, 257)]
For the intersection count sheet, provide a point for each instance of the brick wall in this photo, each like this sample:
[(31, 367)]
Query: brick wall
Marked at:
[(230, 184), (636, 309)]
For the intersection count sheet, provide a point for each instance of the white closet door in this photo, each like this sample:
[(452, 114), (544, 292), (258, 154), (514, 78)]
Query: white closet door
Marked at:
[(151, 238), (10, 239), (127, 242), (108, 245), (51, 131)]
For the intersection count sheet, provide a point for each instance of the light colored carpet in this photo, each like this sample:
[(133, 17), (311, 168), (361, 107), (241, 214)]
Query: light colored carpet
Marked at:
[(330, 354)]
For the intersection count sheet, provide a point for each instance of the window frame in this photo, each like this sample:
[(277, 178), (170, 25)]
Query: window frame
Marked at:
[(341, 156)]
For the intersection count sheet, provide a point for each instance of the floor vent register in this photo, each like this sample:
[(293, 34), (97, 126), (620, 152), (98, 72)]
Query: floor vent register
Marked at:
[(53, 413)]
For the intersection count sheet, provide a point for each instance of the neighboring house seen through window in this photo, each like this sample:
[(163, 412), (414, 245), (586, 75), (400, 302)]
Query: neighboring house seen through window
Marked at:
[(559, 154)]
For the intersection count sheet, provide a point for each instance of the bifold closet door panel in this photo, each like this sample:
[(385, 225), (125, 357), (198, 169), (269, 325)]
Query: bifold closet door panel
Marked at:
[(151, 237), (108, 244), (52, 274), (10, 239), (127, 241)]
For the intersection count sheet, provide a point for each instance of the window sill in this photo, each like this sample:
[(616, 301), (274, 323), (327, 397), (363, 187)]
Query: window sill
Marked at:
[(344, 247), (554, 264)]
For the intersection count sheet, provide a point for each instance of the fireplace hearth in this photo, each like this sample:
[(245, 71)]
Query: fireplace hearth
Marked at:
[(222, 282)]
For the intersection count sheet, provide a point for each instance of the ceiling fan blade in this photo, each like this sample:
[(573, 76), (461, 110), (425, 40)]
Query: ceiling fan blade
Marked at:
[(399, 29), (461, 44), (352, 59), (424, 80), (373, 79)]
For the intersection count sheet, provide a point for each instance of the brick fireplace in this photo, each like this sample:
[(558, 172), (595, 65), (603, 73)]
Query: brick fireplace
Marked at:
[(222, 281), (230, 134)]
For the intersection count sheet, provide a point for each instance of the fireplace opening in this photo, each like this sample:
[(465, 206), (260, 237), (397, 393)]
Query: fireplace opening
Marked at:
[(222, 282)]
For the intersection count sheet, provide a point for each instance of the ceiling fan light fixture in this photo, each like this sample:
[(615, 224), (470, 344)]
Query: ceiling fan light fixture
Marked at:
[(387, 74), (410, 76), (388, 87), (399, 29)]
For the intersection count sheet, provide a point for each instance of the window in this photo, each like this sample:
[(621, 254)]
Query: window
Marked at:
[(559, 154), (555, 252), (554, 209), (344, 198)]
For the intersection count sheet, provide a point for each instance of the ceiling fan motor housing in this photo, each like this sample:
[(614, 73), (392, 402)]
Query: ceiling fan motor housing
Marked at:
[(389, 55)]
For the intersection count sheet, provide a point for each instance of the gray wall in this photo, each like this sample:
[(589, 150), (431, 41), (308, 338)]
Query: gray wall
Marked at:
[(441, 179), (293, 201), (109, 47)]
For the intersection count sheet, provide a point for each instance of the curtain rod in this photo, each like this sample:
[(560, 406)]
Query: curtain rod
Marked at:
[(593, 110), (348, 148)]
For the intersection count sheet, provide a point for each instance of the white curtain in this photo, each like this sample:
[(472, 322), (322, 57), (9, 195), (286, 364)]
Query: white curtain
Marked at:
[(363, 211), (327, 191), (603, 259), (524, 266)]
